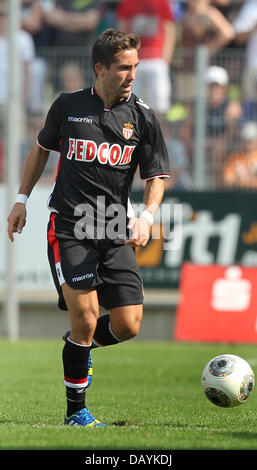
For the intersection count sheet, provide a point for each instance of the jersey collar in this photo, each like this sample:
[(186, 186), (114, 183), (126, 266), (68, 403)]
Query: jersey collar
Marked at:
[(94, 93)]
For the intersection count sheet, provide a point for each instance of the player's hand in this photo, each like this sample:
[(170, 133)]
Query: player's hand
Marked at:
[(139, 232), (16, 219)]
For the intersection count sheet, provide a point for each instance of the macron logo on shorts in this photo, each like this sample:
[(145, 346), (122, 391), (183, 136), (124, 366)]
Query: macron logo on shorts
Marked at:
[(81, 278)]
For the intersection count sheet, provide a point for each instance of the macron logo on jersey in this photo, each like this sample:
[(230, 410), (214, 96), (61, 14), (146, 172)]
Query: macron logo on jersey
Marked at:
[(88, 150), (85, 120)]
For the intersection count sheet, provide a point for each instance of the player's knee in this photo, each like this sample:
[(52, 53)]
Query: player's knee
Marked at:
[(89, 321), (126, 321), (130, 329), (85, 321), (134, 330)]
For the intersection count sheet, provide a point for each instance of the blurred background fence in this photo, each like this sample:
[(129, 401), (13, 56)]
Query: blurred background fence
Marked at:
[(210, 126)]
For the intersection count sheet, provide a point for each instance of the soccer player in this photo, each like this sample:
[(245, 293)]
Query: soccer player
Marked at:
[(103, 134)]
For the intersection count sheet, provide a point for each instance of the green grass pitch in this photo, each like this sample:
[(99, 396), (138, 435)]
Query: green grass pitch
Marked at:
[(148, 393)]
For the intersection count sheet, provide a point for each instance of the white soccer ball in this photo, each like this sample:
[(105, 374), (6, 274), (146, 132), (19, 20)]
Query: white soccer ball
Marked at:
[(227, 380)]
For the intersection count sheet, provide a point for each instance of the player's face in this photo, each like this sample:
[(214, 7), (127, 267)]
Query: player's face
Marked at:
[(119, 77)]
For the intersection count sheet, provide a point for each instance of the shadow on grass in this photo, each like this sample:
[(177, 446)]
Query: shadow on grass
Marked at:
[(125, 423), (238, 434)]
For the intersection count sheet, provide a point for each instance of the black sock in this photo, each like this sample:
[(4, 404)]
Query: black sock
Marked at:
[(75, 365), (103, 334)]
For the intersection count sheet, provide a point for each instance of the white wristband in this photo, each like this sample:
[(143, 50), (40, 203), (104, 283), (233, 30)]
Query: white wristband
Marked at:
[(147, 215), (22, 198)]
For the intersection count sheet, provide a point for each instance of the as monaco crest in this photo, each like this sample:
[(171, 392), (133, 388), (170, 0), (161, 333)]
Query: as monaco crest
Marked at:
[(127, 130)]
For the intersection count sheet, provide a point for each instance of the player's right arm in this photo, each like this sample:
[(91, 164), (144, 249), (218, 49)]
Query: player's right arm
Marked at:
[(33, 168)]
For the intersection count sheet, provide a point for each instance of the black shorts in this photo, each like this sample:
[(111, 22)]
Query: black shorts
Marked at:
[(88, 264)]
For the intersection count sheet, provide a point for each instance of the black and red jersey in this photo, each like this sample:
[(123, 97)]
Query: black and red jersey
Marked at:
[(100, 150)]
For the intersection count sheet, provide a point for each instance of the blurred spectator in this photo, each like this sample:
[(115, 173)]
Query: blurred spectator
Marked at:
[(71, 78), (222, 112), (74, 22), (241, 168), (250, 105), (32, 21), (222, 120), (202, 24), (179, 161), (245, 26), (74, 25), (26, 54), (178, 9), (173, 131), (181, 178), (233, 51), (229, 8), (35, 122), (108, 15), (221, 3), (31, 16), (153, 21)]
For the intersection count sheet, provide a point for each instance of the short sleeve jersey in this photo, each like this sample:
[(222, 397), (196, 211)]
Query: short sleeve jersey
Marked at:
[(100, 150)]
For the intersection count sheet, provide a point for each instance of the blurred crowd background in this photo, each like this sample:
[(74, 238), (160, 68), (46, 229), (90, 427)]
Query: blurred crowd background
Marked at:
[(198, 71)]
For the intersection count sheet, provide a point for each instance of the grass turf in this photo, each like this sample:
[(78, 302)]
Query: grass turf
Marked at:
[(148, 393)]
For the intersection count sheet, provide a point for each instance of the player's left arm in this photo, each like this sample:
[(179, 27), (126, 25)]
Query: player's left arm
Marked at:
[(140, 227)]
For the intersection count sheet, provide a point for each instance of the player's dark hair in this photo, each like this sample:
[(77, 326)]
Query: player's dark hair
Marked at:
[(110, 43)]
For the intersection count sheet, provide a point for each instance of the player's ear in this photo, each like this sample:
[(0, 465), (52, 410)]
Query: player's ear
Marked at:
[(99, 69)]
